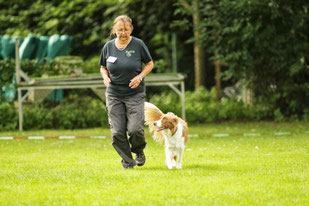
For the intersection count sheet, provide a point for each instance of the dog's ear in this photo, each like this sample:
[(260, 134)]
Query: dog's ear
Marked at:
[(175, 120)]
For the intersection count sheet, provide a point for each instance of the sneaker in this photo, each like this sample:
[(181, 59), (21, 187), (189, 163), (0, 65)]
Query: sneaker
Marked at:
[(127, 165), (140, 158)]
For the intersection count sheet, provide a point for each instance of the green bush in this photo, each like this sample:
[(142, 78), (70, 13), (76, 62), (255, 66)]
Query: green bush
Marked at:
[(91, 65), (37, 117), (263, 42), (278, 116), (160, 66), (76, 112), (8, 117), (7, 69), (34, 68), (167, 102), (306, 115), (73, 112), (30, 66), (202, 106)]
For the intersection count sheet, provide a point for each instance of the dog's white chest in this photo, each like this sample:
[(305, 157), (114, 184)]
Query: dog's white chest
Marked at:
[(175, 140)]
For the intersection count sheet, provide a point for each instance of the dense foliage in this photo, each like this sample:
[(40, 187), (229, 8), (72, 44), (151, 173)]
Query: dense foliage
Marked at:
[(8, 117), (265, 43), (202, 106), (75, 112), (87, 21), (72, 112)]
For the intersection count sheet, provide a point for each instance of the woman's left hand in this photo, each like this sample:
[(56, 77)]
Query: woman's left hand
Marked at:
[(135, 81)]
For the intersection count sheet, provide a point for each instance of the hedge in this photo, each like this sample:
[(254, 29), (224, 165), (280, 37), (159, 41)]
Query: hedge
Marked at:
[(85, 112)]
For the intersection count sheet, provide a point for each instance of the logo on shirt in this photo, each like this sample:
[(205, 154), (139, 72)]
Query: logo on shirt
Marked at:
[(129, 53)]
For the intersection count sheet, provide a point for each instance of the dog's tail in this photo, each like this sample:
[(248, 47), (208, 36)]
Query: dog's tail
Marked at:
[(152, 114)]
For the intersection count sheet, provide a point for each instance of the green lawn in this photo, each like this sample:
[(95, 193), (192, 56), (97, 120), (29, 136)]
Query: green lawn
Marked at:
[(266, 169)]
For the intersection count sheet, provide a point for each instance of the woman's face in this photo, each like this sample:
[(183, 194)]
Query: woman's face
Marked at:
[(123, 30)]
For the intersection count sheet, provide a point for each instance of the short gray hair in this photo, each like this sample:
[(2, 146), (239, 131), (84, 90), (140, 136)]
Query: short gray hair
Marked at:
[(123, 18)]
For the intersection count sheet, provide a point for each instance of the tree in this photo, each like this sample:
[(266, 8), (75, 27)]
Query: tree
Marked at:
[(193, 8), (152, 22), (264, 42)]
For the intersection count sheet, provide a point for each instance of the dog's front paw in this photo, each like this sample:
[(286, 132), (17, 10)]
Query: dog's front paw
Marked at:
[(174, 164), (170, 167), (178, 166)]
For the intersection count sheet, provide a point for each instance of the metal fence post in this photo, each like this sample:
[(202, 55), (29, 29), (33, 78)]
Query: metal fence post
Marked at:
[(183, 100), (17, 69)]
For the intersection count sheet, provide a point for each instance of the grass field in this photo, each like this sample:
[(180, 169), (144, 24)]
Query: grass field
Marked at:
[(269, 168)]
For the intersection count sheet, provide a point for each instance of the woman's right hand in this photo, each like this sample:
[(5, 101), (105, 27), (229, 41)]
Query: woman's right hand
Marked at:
[(106, 81), (105, 76)]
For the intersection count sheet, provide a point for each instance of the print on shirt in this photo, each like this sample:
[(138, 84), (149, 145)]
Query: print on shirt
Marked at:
[(129, 52)]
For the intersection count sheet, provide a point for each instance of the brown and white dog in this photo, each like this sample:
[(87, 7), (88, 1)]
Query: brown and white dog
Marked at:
[(171, 130)]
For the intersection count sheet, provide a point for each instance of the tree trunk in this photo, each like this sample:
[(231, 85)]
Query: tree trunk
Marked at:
[(218, 80), (199, 62)]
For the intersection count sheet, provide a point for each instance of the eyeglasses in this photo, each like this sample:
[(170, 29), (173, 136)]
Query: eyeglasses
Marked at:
[(123, 31)]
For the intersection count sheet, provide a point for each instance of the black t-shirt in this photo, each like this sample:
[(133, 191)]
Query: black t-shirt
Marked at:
[(124, 64)]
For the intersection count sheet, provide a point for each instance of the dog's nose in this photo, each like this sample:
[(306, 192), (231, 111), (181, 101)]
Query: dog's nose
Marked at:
[(155, 124)]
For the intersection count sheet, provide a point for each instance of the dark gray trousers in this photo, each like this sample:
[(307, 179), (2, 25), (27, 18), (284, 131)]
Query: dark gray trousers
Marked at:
[(126, 119)]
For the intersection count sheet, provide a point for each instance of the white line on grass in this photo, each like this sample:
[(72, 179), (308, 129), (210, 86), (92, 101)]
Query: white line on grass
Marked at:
[(193, 135), (220, 135), (252, 134), (282, 133), (6, 138), (67, 137), (98, 137), (36, 137)]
